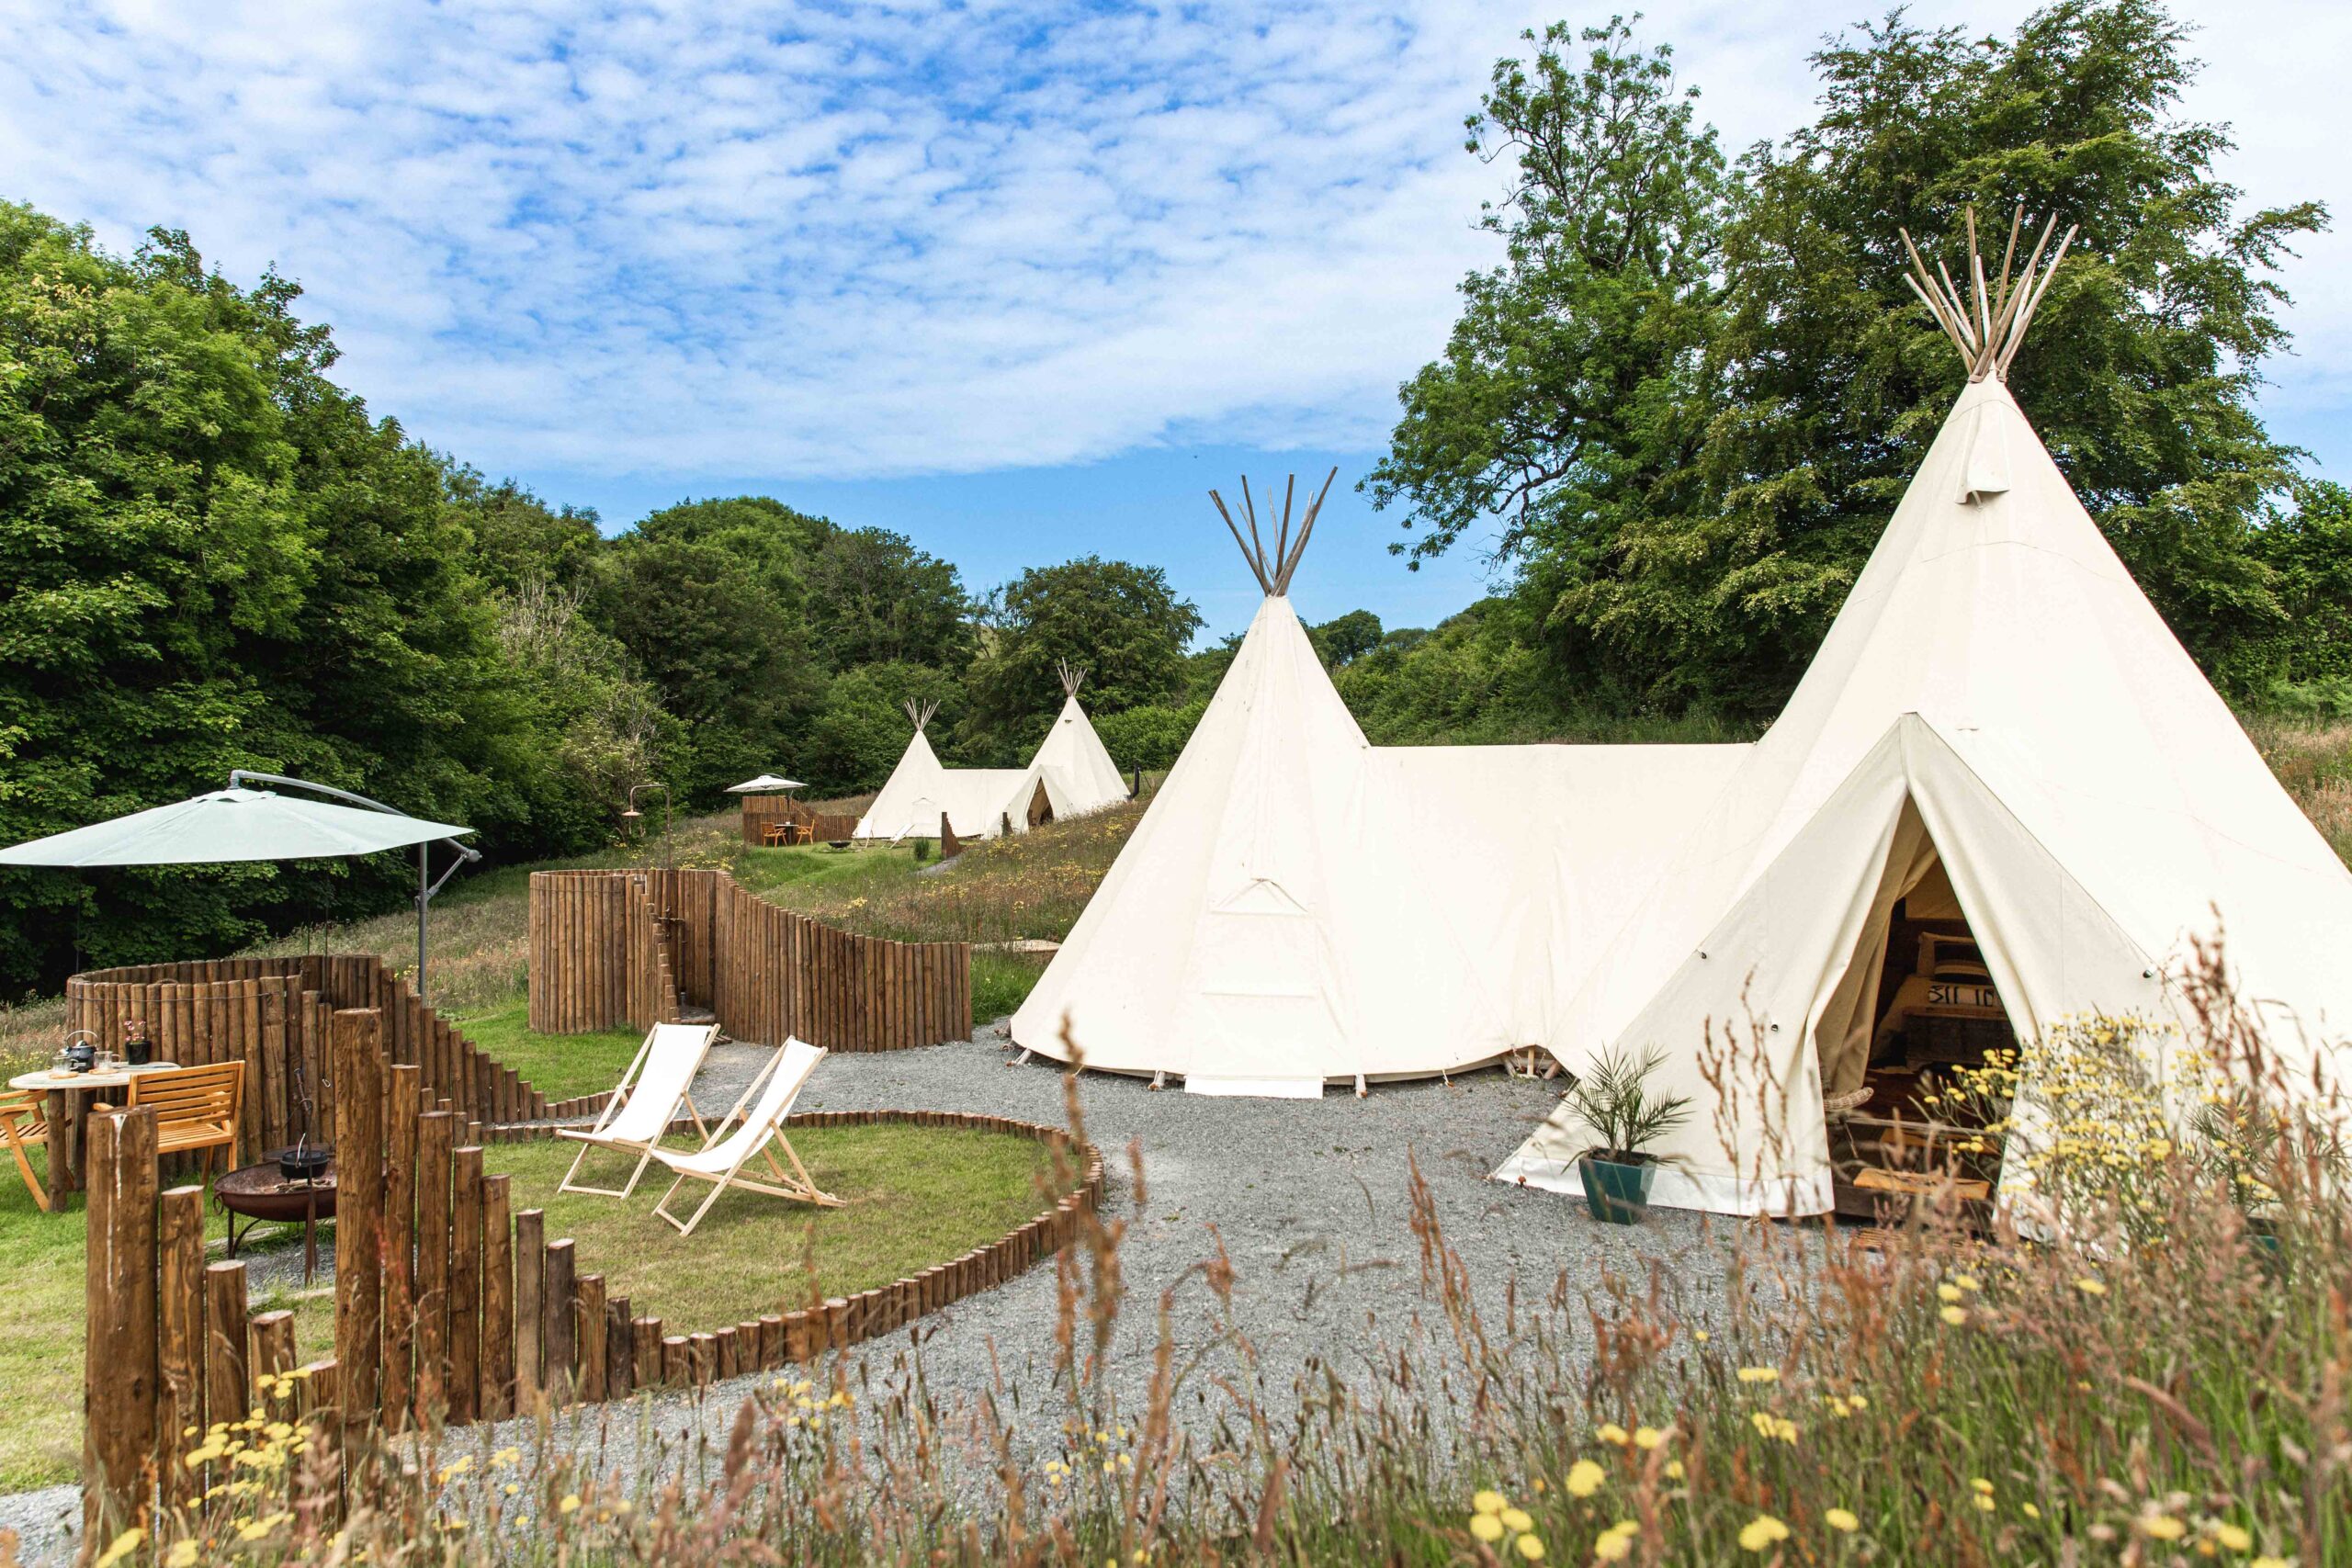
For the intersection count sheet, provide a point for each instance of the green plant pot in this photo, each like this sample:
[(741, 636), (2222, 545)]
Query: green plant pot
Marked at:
[(1616, 1194)]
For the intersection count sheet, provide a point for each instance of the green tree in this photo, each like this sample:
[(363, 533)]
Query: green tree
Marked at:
[(875, 599), (1570, 402), (729, 655), (519, 538), (211, 557), (860, 729), (1344, 639), (1124, 624), (1801, 381)]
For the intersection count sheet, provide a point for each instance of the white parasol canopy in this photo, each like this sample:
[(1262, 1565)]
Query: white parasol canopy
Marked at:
[(766, 783), (230, 825)]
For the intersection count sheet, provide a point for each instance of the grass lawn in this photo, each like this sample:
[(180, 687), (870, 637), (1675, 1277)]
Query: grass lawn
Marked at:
[(41, 1260), (559, 1065), (915, 1196)]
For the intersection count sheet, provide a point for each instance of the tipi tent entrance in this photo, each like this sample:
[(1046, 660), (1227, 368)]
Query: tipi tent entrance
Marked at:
[(1915, 1005)]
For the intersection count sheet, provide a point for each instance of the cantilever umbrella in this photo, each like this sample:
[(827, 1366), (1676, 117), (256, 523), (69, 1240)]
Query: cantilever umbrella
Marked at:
[(242, 824)]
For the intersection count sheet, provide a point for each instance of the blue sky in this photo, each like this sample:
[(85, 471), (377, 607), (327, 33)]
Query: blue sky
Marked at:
[(1021, 281)]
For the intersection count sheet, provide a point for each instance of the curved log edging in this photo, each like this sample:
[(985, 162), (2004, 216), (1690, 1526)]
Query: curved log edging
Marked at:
[(272, 1014)]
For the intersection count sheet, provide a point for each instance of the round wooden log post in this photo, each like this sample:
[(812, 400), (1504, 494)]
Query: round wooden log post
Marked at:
[(119, 1357), (359, 1207), (179, 1339)]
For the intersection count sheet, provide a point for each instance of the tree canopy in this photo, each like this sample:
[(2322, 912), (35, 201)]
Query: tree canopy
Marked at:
[(1688, 399)]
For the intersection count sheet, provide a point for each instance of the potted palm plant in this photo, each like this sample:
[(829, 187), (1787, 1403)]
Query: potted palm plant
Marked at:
[(1611, 1097)]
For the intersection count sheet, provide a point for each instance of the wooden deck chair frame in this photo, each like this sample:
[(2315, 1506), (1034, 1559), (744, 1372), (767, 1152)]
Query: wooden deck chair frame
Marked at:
[(595, 1137), (797, 1184), (17, 1110)]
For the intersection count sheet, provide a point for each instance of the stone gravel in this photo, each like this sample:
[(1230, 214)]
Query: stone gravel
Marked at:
[(1309, 1202)]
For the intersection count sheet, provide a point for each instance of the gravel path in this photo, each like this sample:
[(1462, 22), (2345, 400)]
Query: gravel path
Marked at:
[(1308, 1200)]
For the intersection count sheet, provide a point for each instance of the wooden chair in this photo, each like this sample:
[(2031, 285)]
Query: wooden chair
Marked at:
[(761, 1133), (22, 1126), (196, 1109)]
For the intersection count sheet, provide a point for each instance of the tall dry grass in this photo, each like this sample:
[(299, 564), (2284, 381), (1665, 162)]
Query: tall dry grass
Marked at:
[(2314, 761), (2141, 1392)]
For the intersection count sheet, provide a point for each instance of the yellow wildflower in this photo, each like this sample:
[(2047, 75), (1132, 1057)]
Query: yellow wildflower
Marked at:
[(1762, 1533), (1488, 1503), (1759, 1374), (1611, 1547), (1956, 1315), (2162, 1527), (1647, 1437), (2234, 1536), (183, 1555), (1530, 1549), (1674, 1470), (1966, 1281), (570, 1502), (1585, 1478), (2090, 1287), (1516, 1520), (121, 1547), (1841, 1519), (2028, 1510), (1612, 1433), (1948, 1292), (1485, 1527)]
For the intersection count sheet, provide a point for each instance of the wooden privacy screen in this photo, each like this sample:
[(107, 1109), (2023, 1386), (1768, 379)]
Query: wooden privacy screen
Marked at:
[(450, 1306), (762, 811), (271, 1013), (611, 949)]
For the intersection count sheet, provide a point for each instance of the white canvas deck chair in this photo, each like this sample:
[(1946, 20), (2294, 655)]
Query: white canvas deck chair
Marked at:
[(761, 1133), (634, 1120)]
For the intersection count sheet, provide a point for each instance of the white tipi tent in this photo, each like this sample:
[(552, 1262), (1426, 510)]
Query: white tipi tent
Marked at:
[(1998, 705), (920, 789), (1071, 762), (1298, 907)]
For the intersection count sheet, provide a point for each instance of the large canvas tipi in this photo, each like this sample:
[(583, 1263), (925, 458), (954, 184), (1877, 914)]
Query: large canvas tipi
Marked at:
[(1298, 908), (1998, 715)]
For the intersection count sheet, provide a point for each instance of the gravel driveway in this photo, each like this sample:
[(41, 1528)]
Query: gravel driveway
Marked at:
[(1308, 1200)]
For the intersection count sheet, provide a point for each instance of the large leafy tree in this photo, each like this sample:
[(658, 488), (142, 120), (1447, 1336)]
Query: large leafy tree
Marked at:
[(1568, 405), (1124, 624), (1818, 380), (211, 557), (875, 599)]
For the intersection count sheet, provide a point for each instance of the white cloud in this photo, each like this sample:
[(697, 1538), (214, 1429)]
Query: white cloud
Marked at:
[(705, 238)]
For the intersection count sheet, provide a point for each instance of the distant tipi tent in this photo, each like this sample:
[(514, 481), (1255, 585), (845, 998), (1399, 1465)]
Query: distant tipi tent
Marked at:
[(921, 790), (1072, 764), (1999, 730), (1298, 907)]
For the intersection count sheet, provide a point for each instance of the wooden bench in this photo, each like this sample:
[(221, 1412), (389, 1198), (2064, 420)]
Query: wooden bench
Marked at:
[(196, 1109)]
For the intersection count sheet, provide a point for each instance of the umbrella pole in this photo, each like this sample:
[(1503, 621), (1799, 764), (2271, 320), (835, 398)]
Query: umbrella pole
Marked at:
[(423, 898)]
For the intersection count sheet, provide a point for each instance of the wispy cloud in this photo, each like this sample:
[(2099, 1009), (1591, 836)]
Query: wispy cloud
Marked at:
[(837, 240)]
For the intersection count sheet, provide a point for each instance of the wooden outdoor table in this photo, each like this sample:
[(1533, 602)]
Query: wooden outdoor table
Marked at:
[(69, 1097)]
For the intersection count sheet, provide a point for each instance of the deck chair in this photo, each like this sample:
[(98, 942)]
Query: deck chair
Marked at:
[(22, 1126), (761, 1133), (660, 1079), (196, 1109)]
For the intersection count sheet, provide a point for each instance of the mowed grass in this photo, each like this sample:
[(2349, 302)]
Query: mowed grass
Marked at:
[(561, 1067), (43, 1310), (914, 1196)]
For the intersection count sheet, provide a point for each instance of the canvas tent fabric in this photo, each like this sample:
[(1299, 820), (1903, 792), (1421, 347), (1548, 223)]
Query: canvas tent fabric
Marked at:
[(1298, 907), (920, 789), (1074, 766), (1996, 705), (226, 825)]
